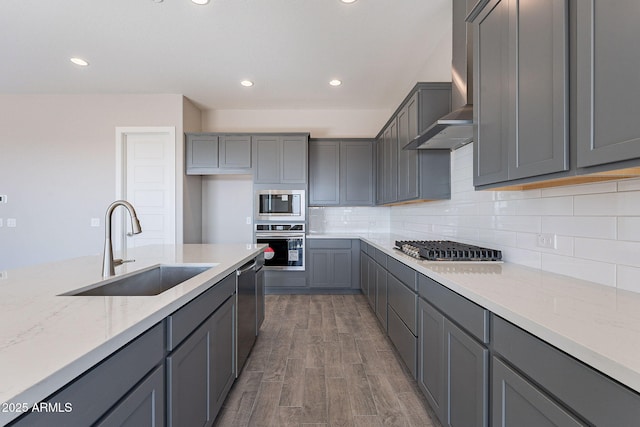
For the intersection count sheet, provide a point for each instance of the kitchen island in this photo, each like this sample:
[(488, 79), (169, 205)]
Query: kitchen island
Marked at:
[(47, 340)]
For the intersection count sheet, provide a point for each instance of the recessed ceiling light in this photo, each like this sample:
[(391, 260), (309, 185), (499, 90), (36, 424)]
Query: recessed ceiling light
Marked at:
[(200, 1), (79, 61), (335, 82), (348, 1), (246, 83)]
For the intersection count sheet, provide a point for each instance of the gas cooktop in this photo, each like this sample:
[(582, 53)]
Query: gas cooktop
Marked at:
[(446, 250)]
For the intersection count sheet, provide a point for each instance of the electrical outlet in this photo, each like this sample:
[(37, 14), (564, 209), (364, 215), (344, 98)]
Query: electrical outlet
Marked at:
[(248, 220), (0, 222), (547, 241), (11, 222), (95, 222)]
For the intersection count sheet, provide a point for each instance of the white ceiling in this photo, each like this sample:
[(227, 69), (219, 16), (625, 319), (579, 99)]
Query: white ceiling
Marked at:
[(290, 48)]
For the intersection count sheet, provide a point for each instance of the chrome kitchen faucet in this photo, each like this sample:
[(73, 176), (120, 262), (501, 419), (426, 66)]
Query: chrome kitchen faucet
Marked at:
[(108, 263)]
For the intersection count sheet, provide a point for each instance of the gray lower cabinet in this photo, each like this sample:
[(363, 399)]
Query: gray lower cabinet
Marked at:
[(381, 293), (214, 153), (521, 89), (368, 275), (143, 406), (333, 263), (587, 396), (608, 59), (280, 159), (452, 370), (201, 370), (402, 312), (341, 172), (518, 402), (129, 374)]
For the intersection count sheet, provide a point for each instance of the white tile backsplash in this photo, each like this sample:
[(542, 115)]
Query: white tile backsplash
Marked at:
[(597, 226)]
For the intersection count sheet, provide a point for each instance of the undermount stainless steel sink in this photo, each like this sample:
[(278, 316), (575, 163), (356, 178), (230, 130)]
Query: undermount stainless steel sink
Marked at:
[(152, 281)]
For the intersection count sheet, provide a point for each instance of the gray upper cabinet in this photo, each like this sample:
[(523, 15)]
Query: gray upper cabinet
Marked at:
[(521, 89), (280, 159), (213, 153), (608, 60), (324, 173), (341, 172), (406, 175), (201, 153)]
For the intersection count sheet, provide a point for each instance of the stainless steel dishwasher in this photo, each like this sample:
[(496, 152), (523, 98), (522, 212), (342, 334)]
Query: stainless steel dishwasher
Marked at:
[(245, 312)]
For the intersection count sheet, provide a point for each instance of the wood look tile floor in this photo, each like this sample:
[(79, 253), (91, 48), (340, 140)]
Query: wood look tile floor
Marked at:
[(323, 360)]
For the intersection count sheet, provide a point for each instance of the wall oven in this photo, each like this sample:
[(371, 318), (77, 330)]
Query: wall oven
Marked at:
[(280, 205), (286, 245)]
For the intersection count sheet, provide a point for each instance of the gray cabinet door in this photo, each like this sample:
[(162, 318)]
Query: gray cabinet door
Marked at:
[(324, 172), (294, 159), (381, 294), (521, 90), (491, 94), (390, 163), (142, 407), (201, 154), (467, 389), (371, 295), (408, 159), (364, 273), (356, 173), (280, 159), (431, 356), (201, 370), (538, 73), (189, 382), (235, 152), (517, 402), (330, 268), (608, 60), (380, 177), (223, 369)]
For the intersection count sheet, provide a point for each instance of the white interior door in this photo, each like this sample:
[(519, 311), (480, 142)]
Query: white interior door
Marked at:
[(146, 175)]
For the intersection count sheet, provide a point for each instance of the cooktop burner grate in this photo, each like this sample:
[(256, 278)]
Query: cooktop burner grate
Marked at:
[(446, 250)]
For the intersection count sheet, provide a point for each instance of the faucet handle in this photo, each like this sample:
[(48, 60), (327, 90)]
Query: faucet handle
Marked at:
[(119, 261)]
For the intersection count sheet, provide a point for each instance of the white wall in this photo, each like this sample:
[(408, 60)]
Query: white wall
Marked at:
[(227, 201), (320, 123), (597, 225), (57, 167)]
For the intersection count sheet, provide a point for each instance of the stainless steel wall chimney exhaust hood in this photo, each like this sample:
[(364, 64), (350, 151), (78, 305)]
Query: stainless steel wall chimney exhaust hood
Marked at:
[(450, 132), (456, 128)]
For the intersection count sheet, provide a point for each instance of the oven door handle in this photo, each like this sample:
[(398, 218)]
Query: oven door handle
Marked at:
[(272, 236)]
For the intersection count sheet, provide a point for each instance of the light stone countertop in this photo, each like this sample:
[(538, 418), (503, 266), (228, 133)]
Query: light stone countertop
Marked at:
[(596, 324), (46, 340)]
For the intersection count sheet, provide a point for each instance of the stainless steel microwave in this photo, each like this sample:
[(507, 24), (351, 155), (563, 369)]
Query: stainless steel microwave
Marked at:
[(280, 205)]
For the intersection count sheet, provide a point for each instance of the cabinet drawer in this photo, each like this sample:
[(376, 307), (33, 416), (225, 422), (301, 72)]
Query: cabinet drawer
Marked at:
[(184, 321), (380, 257), (405, 274), (329, 243), (404, 301), (405, 342), (602, 401), (470, 316)]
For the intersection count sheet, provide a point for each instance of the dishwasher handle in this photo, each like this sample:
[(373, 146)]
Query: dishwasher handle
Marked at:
[(243, 270)]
